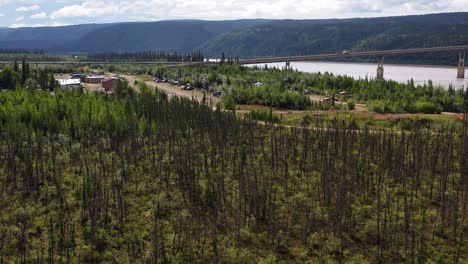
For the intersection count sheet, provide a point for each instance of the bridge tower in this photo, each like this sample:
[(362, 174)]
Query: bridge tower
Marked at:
[(380, 68), (288, 65), (461, 65)]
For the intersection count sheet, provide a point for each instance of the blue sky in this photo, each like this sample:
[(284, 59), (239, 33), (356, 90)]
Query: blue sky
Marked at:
[(21, 13)]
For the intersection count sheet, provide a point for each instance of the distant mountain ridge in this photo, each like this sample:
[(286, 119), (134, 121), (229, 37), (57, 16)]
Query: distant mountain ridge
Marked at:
[(177, 35), (251, 38)]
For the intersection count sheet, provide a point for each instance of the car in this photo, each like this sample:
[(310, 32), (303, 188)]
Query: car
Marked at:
[(186, 87), (75, 75), (346, 52)]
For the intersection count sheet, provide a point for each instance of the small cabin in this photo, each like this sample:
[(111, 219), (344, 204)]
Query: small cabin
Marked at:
[(107, 83), (344, 96), (95, 78), (329, 100)]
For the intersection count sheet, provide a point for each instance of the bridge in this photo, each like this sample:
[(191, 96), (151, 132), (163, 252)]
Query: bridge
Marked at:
[(378, 54)]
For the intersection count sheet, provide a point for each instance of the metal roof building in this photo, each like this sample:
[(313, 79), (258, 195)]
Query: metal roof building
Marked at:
[(69, 83)]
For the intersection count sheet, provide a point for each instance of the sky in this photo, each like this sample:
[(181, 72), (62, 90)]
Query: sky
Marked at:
[(25, 13)]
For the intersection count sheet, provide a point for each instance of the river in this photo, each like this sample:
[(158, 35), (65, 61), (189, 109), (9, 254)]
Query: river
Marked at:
[(440, 75)]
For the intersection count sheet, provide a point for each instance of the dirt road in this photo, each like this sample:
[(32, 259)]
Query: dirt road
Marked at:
[(172, 90)]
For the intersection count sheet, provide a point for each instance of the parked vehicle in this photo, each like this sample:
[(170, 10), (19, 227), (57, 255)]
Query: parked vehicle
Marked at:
[(186, 87), (76, 75)]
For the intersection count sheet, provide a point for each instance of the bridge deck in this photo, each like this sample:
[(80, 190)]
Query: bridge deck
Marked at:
[(281, 59), (353, 55)]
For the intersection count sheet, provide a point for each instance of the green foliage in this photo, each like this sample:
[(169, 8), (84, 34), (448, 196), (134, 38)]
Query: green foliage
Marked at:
[(229, 103), (290, 89), (144, 56), (426, 107), (9, 79), (122, 89), (351, 105), (138, 177), (380, 106), (265, 115), (16, 77)]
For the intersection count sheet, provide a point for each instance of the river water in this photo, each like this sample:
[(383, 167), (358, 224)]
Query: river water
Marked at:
[(439, 75)]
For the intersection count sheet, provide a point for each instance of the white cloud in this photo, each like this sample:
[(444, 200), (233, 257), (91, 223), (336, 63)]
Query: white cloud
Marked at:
[(54, 24), (28, 8), (233, 9), (21, 18), (87, 9), (4, 2), (2, 15), (41, 15)]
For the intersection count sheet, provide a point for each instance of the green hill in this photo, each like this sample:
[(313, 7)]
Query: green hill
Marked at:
[(291, 37), (253, 38)]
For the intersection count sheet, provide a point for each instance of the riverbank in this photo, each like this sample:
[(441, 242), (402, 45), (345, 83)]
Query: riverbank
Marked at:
[(421, 74)]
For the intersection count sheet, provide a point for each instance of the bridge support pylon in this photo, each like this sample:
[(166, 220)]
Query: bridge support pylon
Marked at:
[(380, 68), (288, 65), (461, 65)]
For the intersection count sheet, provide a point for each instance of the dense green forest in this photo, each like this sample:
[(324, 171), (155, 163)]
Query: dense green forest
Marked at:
[(9, 55), (290, 89), (139, 178), (144, 56)]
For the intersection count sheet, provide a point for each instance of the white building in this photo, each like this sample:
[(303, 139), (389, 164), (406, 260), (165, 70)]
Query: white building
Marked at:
[(69, 83)]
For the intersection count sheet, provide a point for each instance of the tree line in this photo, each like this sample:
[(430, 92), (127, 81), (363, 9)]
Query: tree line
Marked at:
[(20, 75), (21, 51), (145, 56)]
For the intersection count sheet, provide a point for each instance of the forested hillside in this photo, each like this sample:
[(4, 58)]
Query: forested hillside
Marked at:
[(253, 38), (308, 37), (141, 178), (169, 36)]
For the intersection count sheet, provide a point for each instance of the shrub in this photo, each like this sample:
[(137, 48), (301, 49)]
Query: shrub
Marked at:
[(380, 106), (426, 107), (229, 103), (265, 115), (351, 105)]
